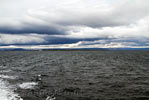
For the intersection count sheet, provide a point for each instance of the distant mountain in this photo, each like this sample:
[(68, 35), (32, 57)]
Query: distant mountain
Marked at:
[(21, 49), (12, 49)]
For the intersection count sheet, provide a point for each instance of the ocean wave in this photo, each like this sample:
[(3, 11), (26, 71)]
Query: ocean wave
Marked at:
[(7, 77), (7, 91), (28, 85)]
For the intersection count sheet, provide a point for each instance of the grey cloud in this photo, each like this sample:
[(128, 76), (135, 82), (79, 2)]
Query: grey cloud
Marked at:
[(36, 39), (32, 28), (55, 19), (78, 22), (9, 39), (122, 13)]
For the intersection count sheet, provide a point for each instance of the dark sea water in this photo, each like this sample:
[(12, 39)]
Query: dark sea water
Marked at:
[(74, 75)]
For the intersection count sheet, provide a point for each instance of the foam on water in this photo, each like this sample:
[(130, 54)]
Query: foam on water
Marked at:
[(28, 85), (7, 91), (5, 71), (7, 77)]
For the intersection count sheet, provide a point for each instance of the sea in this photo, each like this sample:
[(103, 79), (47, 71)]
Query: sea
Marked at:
[(74, 75)]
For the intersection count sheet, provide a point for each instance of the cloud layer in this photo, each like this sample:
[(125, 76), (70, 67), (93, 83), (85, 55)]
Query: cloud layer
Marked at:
[(78, 23)]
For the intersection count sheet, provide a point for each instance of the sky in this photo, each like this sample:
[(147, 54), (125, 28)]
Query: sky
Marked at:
[(37, 24)]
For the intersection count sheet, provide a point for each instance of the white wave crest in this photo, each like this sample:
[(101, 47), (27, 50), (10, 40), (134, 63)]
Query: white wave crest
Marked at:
[(28, 85), (7, 77), (7, 91)]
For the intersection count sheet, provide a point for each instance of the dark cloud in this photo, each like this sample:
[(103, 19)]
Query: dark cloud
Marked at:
[(57, 20), (80, 22), (63, 40), (32, 28), (48, 40)]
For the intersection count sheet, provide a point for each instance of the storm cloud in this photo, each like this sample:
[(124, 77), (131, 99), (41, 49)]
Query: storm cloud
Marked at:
[(89, 23)]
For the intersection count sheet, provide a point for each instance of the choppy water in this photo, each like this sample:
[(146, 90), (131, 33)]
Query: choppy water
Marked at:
[(74, 75), (7, 90)]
